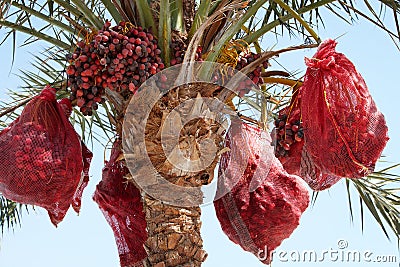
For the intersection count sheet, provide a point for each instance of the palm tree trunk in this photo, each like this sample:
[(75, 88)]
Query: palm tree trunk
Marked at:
[(174, 237)]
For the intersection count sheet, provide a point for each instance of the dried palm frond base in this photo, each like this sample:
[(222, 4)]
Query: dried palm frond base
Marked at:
[(184, 114), (174, 232)]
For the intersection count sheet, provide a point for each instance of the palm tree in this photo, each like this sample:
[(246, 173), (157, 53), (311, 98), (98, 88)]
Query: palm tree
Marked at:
[(215, 26)]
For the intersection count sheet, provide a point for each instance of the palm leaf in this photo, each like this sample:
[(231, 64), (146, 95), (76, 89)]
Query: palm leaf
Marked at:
[(164, 30), (233, 29), (92, 17), (281, 20), (308, 11), (113, 10), (201, 15), (10, 213), (379, 192), (32, 18), (177, 21), (146, 16), (35, 33), (377, 21), (40, 15), (297, 16)]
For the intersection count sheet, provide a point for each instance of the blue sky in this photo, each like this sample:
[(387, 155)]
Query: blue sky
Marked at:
[(87, 240)]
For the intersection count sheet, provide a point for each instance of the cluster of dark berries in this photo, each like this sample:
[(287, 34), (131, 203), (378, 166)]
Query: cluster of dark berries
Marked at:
[(84, 77), (120, 58), (178, 50), (255, 75), (288, 131)]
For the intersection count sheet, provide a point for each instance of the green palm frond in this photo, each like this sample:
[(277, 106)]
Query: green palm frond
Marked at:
[(10, 213), (113, 10), (201, 15), (145, 14), (164, 30), (177, 21), (299, 17), (41, 20), (380, 193), (235, 27), (289, 16), (59, 24), (10, 108)]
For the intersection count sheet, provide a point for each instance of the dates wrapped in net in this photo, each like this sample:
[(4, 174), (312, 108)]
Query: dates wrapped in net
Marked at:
[(260, 204), (42, 157), (344, 132), (122, 207)]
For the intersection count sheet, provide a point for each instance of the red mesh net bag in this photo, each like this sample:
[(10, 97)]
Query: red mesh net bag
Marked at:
[(87, 156), (344, 131), (288, 136), (39, 163), (121, 205), (260, 217)]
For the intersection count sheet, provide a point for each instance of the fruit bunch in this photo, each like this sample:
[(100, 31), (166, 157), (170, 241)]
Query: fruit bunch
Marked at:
[(42, 157), (36, 155), (119, 58), (288, 131), (255, 75), (84, 74), (178, 50), (264, 216)]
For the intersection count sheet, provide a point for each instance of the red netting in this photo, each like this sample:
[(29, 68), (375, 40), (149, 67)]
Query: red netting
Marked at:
[(289, 142), (288, 136), (121, 205), (258, 220), (40, 163), (87, 155), (320, 180), (344, 131)]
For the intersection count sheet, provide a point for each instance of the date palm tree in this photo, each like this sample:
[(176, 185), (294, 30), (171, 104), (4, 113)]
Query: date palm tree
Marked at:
[(213, 25)]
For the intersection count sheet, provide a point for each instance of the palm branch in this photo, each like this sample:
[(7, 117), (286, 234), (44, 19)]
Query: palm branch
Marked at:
[(61, 23), (379, 193), (10, 213)]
